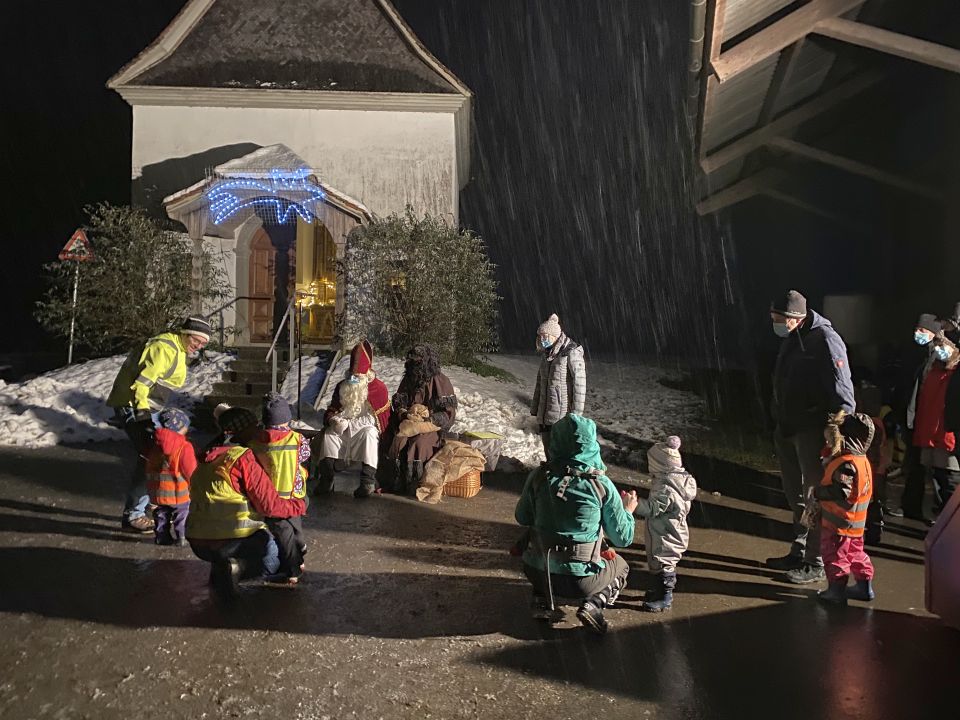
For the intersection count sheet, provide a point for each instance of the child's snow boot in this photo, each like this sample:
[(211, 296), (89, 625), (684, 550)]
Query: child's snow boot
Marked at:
[(836, 593), (661, 597), (862, 590)]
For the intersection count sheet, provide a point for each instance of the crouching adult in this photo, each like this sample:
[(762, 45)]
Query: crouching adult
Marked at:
[(424, 384), (358, 413), (570, 507), (230, 494)]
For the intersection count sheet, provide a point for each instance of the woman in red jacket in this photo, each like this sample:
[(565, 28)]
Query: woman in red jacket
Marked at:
[(931, 433)]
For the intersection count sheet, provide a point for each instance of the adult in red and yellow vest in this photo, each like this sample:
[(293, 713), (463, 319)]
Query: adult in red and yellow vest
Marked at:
[(935, 424), (230, 495), (147, 379), (844, 495), (282, 452), (171, 463)]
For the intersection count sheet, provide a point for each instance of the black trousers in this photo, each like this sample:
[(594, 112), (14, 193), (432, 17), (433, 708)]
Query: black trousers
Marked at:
[(914, 480), (288, 533)]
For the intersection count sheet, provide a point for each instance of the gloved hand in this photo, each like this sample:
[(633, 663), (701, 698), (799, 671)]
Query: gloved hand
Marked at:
[(141, 416), (338, 424)]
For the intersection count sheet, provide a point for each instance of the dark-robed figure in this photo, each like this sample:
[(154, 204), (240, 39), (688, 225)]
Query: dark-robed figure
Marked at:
[(423, 384)]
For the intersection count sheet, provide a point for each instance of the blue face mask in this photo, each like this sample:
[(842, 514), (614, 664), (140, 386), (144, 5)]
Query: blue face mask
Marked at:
[(921, 338), (354, 380), (545, 344), (781, 329), (942, 352)]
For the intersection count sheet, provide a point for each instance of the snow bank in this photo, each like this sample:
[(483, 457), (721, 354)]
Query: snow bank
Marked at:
[(484, 404), (69, 404), (623, 398)]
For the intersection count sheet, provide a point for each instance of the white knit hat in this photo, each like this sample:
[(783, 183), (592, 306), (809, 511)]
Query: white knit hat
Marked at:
[(665, 457), (550, 326)]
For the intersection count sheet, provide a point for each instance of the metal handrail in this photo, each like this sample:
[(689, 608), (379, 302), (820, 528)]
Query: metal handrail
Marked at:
[(272, 352), (219, 311)]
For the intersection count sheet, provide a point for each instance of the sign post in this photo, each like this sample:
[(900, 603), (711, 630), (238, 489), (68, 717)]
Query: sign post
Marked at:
[(77, 250)]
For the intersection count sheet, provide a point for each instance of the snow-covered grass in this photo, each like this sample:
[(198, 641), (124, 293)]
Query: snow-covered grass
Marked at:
[(69, 404)]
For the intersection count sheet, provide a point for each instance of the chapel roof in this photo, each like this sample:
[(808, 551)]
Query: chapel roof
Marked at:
[(333, 45)]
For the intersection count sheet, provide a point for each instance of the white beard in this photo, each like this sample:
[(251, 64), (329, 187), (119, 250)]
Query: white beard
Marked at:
[(353, 397)]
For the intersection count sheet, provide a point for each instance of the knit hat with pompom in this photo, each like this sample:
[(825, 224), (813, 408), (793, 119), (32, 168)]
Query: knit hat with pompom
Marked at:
[(665, 457)]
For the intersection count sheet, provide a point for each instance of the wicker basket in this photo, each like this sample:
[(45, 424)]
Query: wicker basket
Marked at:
[(465, 486)]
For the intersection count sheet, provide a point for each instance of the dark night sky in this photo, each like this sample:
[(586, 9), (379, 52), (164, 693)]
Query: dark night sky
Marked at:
[(580, 177)]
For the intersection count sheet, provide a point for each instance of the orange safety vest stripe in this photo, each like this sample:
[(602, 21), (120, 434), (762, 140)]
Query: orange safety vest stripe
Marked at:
[(165, 483), (849, 517)]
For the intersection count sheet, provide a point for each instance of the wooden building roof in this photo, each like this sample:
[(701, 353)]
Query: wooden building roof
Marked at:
[(761, 70)]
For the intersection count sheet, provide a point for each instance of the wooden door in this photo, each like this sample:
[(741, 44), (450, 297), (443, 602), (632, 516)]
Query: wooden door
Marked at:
[(262, 274)]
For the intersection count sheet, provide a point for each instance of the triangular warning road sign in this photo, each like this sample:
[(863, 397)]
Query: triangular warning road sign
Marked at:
[(77, 247)]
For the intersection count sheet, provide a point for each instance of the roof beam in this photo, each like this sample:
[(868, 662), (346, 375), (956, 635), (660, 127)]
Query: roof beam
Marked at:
[(739, 191), (786, 122), (781, 78), (809, 207), (778, 36), (713, 38), (904, 46), (857, 168)]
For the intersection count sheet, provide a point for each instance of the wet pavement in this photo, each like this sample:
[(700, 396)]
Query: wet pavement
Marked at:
[(415, 611)]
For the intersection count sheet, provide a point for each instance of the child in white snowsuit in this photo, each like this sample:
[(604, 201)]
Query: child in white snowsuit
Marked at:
[(665, 510)]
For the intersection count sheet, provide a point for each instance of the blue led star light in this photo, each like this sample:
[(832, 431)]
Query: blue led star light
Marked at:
[(288, 193)]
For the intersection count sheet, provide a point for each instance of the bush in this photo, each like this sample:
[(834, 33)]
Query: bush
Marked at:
[(417, 280), (138, 283)]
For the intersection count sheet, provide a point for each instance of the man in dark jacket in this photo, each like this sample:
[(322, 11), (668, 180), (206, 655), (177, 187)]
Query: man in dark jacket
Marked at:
[(811, 380)]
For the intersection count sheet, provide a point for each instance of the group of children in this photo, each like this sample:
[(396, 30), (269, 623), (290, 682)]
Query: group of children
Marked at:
[(280, 450), (839, 504)]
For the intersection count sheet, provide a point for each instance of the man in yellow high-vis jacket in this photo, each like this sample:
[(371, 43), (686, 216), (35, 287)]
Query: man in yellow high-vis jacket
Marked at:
[(147, 379)]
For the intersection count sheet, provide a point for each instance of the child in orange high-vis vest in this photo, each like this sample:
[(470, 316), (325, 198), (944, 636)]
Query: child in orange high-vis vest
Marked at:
[(844, 495), (170, 463)]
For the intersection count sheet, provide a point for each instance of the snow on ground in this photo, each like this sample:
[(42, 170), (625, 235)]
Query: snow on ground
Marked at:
[(69, 404), (624, 398)]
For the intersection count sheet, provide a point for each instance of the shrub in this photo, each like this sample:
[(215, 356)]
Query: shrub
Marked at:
[(418, 280), (138, 283)]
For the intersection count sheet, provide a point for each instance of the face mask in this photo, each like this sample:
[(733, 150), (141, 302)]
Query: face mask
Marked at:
[(354, 380), (781, 329), (942, 352), (545, 344), (921, 338)]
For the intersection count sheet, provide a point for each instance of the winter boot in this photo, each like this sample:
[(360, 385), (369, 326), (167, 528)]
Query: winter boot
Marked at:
[(591, 617), (415, 475), (225, 577), (862, 590), (368, 483), (661, 597), (835, 594), (806, 574), (325, 481)]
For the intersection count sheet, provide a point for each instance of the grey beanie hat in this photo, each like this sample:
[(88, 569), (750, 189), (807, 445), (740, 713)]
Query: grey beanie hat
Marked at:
[(276, 410), (792, 305), (928, 321)]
